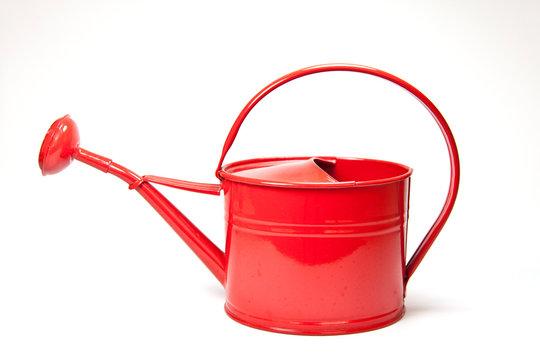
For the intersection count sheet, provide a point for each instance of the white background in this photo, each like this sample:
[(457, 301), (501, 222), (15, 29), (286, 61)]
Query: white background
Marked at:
[(88, 270)]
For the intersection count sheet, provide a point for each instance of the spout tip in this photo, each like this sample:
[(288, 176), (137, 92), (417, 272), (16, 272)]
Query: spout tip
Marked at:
[(59, 146)]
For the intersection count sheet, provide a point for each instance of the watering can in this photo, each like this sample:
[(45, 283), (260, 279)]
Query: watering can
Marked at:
[(314, 245)]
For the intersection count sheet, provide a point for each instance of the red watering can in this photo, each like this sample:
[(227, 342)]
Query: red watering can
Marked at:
[(314, 245)]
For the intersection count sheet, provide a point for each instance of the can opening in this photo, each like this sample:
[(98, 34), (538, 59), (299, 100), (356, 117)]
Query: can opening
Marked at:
[(321, 171), (359, 170)]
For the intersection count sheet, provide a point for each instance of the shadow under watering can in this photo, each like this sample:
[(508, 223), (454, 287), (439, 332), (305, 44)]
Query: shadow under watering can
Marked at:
[(314, 245)]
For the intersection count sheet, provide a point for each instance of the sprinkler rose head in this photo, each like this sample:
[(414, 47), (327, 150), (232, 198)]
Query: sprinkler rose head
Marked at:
[(59, 146)]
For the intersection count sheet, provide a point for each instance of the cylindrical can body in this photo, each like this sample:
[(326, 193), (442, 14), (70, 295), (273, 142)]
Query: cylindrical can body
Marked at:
[(316, 260)]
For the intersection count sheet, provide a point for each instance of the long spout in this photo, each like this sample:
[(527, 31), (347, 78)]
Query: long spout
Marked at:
[(61, 146)]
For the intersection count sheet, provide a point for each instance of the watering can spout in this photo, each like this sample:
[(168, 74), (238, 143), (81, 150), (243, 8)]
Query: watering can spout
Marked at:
[(61, 146)]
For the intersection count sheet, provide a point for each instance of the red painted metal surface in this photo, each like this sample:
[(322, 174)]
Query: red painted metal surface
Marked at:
[(443, 125), (61, 136), (313, 245), (325, 259), (58, 146)]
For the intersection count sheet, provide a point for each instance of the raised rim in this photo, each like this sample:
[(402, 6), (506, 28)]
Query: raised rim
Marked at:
[(226, 173), (350, 326)]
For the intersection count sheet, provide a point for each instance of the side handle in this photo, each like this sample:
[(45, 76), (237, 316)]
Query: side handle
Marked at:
[(448, 137)]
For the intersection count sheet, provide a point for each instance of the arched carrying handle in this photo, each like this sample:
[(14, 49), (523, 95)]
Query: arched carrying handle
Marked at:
[(448, 137)]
